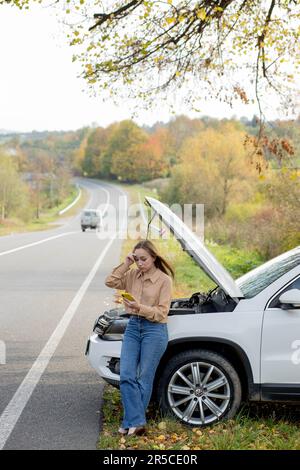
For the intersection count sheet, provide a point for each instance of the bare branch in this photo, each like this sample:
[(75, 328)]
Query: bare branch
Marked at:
[(262, 36), (118, 14)]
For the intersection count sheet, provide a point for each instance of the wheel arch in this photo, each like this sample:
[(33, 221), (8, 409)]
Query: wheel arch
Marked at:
[(230, 350)]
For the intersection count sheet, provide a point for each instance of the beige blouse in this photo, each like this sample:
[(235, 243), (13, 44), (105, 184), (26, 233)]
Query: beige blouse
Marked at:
[(153, 292)]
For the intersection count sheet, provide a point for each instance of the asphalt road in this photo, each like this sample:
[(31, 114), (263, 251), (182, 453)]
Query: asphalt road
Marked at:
[(51, 292)]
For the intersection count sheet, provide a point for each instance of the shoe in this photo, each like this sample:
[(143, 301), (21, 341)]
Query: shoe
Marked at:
[(137, 431), (123, 431)]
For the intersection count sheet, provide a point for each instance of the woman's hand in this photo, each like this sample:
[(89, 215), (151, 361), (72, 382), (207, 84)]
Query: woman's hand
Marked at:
[(129, 260), (133, 305)]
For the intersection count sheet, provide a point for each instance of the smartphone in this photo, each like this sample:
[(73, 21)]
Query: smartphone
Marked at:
[(128, 296)]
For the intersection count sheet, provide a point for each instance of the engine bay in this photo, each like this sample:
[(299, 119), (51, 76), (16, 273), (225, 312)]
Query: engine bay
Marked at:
[(215, 300), (111, 325)]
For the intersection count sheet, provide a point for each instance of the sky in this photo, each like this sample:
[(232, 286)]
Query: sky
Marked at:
[(40, 88)]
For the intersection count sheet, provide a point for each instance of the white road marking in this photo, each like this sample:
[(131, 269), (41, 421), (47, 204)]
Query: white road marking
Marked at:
[(35, 243), (72, 203), (14, 409), (12, 412)]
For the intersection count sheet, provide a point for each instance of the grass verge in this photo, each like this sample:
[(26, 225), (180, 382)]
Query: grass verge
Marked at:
[(262, 427)]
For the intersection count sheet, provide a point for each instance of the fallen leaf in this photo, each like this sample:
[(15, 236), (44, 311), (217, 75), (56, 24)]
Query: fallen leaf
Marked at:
[(162, 425)]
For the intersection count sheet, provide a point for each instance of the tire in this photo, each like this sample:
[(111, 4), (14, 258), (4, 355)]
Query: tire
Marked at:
[(83, 229), (204, 404)]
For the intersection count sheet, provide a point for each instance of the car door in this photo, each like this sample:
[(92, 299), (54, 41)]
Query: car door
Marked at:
[(280, 353)]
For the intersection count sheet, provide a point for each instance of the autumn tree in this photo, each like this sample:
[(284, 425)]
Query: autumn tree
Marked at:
[(213, 171), (282, 193), (180, 128), (13, 192), (96, 145), (149, 158), (44, 164), (122, 150), (79, 155)]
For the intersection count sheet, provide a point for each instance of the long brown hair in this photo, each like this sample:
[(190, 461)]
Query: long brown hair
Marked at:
[(159, 262)]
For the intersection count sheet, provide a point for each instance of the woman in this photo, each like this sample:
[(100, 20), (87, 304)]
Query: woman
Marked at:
[(146, 336)]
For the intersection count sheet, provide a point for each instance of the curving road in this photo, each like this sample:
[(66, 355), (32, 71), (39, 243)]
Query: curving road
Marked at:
[(51, 291)]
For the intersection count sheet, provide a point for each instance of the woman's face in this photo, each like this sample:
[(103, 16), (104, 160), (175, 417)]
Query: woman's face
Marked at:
[(143, 259)]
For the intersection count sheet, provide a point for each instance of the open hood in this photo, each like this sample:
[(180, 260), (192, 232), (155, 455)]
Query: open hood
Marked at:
[(195, 248)]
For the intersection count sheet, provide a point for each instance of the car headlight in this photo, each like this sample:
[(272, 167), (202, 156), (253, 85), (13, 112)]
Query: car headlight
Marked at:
[(110, 328)]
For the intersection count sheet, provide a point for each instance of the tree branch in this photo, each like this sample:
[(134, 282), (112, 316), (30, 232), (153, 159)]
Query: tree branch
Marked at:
[(117, 14), (262, 36)]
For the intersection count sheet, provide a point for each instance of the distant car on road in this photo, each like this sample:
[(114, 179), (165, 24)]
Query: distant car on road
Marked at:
[(91, 218)]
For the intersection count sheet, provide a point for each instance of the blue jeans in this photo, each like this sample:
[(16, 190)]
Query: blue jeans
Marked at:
[(143, 345)]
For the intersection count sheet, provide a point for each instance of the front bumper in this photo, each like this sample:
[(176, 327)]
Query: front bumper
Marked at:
[(100, 354)]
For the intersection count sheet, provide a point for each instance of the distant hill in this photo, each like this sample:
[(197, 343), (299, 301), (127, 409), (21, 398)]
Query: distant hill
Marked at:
[(5, 132)]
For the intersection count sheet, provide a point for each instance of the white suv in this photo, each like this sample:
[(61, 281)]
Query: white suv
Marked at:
[(240, 341)]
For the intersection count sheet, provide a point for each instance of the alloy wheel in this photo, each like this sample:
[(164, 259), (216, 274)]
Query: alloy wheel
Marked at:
[(199, 393)]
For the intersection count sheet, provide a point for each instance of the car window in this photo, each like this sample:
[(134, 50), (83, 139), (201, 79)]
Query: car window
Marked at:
[(259, 278), (294, 285), (90, 213)]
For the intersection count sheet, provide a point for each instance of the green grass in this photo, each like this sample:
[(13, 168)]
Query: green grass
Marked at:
[(270, 427)]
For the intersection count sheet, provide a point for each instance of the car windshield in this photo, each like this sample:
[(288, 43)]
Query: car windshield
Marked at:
[(90, 213), (259, 278)]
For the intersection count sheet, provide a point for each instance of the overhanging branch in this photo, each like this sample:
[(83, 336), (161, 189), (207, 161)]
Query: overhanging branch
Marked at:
[(117, 14)]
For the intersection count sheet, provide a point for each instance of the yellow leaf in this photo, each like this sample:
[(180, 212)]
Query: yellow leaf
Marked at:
[(170, 20), (201, 14)]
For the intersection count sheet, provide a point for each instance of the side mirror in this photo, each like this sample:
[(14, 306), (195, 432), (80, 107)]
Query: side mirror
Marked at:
[(290, 299)]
